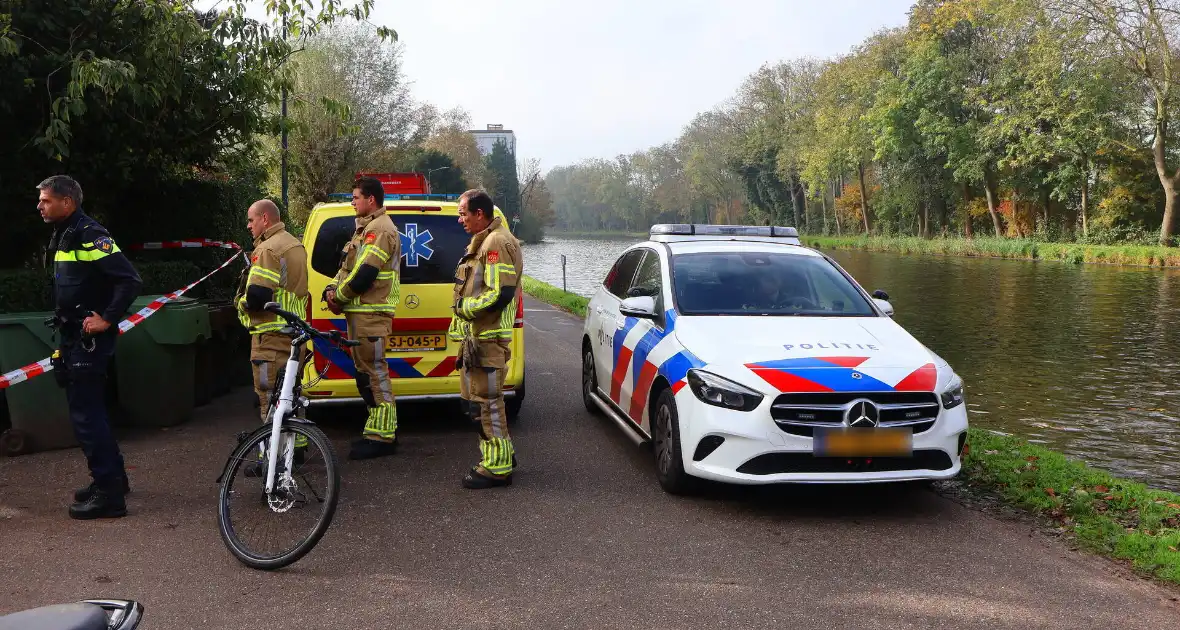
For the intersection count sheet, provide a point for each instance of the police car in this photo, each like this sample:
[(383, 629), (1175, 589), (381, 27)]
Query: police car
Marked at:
[(743, 356)]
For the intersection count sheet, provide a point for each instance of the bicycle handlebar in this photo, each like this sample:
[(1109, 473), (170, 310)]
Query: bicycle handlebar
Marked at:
[(295, 321)]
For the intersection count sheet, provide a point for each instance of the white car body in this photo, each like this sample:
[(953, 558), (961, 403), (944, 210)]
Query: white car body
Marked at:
[(806, 361)]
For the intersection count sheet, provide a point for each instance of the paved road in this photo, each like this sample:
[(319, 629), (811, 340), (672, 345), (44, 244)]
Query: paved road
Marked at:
[(584, 539)]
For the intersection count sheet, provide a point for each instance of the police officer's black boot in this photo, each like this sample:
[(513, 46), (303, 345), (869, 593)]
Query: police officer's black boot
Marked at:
[(103, 502), (81, 495)]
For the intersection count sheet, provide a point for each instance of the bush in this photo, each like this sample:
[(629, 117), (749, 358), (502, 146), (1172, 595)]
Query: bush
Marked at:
[(25, 290), (530, 229)]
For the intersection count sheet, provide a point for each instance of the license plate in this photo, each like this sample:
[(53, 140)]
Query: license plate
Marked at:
[(416, 343), (848, 442)]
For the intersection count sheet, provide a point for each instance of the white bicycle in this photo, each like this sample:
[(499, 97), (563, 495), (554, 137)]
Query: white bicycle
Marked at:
[(281, 485)]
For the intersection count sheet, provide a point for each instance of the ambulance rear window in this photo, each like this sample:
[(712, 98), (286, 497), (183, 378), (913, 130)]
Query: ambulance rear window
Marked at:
[(432, 245)]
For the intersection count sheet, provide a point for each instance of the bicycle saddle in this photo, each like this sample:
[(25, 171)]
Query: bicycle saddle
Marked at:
[(76, 616)]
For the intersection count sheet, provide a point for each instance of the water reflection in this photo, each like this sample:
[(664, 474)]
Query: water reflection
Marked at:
[(1081, 358)]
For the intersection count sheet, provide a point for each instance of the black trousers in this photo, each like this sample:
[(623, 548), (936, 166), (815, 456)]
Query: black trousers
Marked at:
[(85, 384)]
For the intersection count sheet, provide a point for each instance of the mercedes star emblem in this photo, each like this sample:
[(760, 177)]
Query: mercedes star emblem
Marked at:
[(412, 301), (863, 414)]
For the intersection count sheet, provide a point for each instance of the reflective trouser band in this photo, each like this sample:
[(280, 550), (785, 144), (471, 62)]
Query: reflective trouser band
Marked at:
[(497, 455), (382, 421)]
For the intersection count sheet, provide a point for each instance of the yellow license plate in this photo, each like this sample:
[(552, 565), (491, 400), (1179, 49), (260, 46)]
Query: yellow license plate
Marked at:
[(848, 442), (417, 343)]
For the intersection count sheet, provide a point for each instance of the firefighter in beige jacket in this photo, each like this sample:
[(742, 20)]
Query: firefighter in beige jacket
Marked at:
[(485, 310), (277, 273), (366, 291)]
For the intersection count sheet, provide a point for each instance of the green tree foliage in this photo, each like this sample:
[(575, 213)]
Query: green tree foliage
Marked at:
[(156, 108), (1033, 118), (501, 180), (440, 170)]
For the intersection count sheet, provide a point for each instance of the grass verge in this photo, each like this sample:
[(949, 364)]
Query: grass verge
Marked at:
[(1021, 249), (1117, 518), (554, 296)]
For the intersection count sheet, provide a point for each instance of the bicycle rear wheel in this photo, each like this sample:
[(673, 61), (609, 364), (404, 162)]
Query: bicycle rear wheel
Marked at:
[(292, 495)]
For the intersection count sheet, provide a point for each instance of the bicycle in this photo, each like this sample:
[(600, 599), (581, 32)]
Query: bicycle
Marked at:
[(281, 491)]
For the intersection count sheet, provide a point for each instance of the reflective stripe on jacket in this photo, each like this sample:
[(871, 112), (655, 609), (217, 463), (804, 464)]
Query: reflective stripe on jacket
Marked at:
[(278, 266), (491, 264)]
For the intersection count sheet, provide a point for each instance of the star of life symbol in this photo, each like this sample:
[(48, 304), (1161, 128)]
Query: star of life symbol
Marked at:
[(416, 245)]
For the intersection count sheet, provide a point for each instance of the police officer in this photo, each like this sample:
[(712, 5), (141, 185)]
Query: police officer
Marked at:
[(367, 290), (484, 312), (93, 286), (277, 273)]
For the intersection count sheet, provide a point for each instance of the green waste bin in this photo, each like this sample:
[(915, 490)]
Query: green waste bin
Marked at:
[(215, 357), (156, 363), (38, 415)]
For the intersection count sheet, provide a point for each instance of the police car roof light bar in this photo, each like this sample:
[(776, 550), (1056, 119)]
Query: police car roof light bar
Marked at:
[(705, 229)]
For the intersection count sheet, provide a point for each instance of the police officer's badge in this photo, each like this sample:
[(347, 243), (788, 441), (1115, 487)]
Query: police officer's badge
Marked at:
[(104, 243)]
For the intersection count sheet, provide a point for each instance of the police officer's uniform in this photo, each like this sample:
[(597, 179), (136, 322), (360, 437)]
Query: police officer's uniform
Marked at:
[(91, 275), (485, 310), (368, 289), (277, 273)]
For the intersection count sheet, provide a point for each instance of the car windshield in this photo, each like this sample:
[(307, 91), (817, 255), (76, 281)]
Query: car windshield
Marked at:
[(763, 283)]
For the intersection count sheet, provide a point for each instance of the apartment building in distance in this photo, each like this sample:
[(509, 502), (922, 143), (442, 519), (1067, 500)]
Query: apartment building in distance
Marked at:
[(485, 139)]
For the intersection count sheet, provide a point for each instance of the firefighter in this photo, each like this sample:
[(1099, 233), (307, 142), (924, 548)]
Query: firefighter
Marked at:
[(277, 273), (484, 311), (367, 290), (93, 286)]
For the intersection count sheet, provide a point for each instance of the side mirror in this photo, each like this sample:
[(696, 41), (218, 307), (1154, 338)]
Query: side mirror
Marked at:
[(884, 305), (880, 295), (643, 307)]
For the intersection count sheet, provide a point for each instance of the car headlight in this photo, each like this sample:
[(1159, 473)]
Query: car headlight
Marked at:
[(952, 396), (720, 392)]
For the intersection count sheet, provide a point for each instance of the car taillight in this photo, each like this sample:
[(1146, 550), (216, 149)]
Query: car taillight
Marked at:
[(519, 308)]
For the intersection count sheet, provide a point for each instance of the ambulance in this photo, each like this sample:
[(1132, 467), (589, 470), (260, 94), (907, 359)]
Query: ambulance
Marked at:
[(421, 358)]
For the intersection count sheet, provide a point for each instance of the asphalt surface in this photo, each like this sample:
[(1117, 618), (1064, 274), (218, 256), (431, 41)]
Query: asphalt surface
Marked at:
[(585, 538)]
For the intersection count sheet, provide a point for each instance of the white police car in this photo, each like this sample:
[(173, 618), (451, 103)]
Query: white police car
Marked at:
[(744, 357)]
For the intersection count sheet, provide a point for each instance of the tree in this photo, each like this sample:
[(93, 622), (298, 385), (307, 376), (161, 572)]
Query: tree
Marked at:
[(1143, 34), (137, 99), (451, 136), (502, 182), (346, 73), (440, 171)]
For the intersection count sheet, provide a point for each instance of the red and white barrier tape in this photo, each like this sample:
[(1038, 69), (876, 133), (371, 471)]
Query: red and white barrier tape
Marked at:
[(44, 365), (196, 242)]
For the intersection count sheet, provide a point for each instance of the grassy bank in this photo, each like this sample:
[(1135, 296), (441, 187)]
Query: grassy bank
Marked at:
[(1117, 518), (570, 302), (1020, 249)]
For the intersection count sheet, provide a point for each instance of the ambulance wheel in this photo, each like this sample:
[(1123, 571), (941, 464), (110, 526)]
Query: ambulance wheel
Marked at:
[(514, 404)]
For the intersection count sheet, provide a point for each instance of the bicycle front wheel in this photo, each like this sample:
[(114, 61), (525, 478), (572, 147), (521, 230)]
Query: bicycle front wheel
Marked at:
[(250, 519)]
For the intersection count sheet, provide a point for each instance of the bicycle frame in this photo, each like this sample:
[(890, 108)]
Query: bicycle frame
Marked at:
[(285, 405)]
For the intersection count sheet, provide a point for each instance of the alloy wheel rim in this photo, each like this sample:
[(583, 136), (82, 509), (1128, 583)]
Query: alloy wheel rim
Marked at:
[(664, 439)]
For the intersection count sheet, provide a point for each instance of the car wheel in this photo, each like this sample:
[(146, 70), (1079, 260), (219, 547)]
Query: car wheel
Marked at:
[(666, 445), (589, 381), (516, 402)]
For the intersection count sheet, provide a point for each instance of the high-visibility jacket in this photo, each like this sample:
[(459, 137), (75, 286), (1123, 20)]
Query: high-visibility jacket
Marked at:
[(485, 286), (89, 271), (368, 280), (278, 273)]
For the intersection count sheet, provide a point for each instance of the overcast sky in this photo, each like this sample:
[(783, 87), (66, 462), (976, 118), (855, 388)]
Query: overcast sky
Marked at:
[(580, 79)]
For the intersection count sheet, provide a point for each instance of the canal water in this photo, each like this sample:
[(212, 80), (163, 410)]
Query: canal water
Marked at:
[(1082, 358)]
